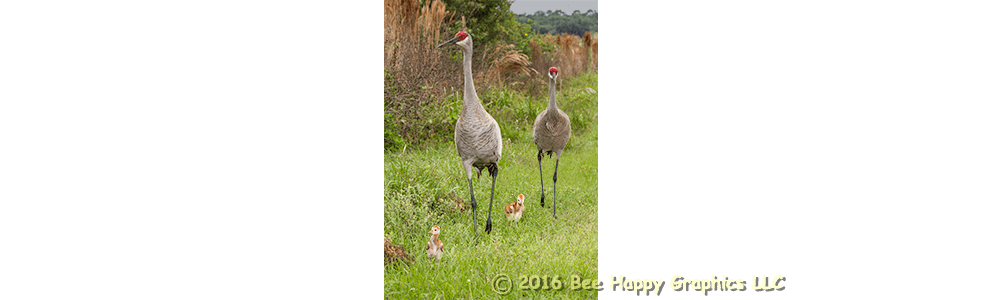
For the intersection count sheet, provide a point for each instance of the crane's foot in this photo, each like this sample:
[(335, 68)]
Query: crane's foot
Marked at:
[(542, 200), (487, 226), (554, 208)]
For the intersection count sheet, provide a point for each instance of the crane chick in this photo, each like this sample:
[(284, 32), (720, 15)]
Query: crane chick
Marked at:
[(513, 211), (434, 247)]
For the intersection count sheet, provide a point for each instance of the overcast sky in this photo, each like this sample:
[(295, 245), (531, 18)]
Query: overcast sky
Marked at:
[(531, 6)]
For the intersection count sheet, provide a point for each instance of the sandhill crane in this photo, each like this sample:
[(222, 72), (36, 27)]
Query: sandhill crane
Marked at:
[(550, 133), (477, 135)]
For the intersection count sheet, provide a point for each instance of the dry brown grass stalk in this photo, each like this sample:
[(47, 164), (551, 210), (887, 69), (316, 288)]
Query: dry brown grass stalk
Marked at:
[(572, 55), (583, 57), (586, 53), (536, 56), (400, 18), (568, 58), (509, 62), (416, 71), (431, 20), (596, 55)]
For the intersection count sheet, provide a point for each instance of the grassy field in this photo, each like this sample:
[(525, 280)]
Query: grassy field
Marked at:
[(427, 186)]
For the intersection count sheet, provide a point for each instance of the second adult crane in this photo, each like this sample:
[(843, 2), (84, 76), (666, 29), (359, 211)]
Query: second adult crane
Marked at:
[(550, 133)]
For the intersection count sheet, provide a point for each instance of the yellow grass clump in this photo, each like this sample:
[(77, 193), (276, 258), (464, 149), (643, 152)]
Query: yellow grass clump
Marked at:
[(573, 55), (395, 253), (568, 56), (509, 62)]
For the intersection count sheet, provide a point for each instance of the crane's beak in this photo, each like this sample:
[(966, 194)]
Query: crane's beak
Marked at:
[(451, 41)]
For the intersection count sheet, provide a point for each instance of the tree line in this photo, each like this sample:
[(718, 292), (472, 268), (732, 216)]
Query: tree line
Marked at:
[(558, 21)]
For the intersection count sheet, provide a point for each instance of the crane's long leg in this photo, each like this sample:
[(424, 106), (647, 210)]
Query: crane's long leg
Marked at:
[(493, 169), (473, 208), (542, 189), (554, 177)]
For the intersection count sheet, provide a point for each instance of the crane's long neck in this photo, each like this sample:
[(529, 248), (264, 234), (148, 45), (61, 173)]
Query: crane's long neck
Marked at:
[(470, 94), (552, 95), (468, 76)]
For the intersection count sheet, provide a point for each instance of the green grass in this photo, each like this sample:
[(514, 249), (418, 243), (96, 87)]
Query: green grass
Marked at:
[(418, 188)]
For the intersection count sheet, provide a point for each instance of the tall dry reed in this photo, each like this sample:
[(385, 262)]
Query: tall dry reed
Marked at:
[(417, 72), (586, 45), (596, 55)]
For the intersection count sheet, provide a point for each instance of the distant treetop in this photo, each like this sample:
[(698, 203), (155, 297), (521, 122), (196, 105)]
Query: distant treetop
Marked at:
[(558, 21)]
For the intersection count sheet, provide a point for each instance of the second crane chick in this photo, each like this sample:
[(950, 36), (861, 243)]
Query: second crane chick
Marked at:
[(434, 247), (513, 211)]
